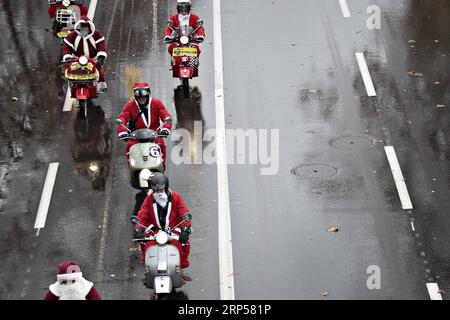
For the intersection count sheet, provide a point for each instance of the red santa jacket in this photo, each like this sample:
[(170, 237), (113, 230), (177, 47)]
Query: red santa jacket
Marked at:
[(156, 112), (193, 22), (176, 208), (92, 46)]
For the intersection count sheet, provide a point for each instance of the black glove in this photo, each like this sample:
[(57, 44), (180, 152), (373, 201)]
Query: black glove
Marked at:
[(184, 236), (124, 136), (139, 232), (164, 132), (200, 39), (168, 39), (67, 58), (100, 61)]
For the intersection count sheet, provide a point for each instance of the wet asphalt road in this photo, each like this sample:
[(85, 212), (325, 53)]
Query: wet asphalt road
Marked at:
[(293, 69)]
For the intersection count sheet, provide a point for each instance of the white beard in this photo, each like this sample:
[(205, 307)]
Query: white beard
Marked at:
[(184, 20), (71, 291), (161, 199)]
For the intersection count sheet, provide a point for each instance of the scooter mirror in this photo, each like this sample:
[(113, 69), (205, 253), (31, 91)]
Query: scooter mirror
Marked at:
[(187, 217), (118, 121), (134, 220), (200, 22), (168, 120)]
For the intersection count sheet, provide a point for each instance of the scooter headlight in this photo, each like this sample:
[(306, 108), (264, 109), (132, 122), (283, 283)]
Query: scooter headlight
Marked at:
[(162, 237), (83, 60), (184, 40)]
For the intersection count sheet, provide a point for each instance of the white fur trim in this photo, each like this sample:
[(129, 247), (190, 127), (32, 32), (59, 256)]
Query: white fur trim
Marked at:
[(77, 43), (71, 291), (92, 41), (100, 40), (91, 26), (69, 44), (102, 53)]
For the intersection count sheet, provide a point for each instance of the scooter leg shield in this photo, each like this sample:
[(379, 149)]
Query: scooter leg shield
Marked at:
[(82, 94)]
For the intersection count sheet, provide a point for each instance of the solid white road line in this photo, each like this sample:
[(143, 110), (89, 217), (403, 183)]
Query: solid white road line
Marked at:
[(46, 196), (225, 244), (433, 291), (365, 74), (91, 11), (398, 177), (68, 101), (344, 8)]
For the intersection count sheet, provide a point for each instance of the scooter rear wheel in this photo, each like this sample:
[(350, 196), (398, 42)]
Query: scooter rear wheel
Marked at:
[(82, 105), (185, 82)]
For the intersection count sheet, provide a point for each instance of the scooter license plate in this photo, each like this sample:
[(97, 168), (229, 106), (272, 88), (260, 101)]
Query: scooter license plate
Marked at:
[(189, 52)]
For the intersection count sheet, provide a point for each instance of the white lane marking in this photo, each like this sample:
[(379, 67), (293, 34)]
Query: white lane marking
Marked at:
[(398, 177), (68, 101), (344, 8), (433, 291), (46, 196), (365, 74), (225, 244), (412, 226), (91, 11)]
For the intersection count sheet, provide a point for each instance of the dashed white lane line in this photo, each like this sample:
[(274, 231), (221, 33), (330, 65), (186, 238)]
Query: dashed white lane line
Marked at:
[(225, 244), (398, 177), (91, 11), (433, 291), (41, 216), (344, 8), (412, 226), (365, 74), (69, 101)]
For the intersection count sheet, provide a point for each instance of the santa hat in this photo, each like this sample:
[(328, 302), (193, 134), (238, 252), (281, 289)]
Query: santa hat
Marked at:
[(85, 19), (68, 270)]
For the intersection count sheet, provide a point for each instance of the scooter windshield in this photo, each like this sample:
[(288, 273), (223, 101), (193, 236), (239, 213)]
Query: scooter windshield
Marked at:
[(144, 135)]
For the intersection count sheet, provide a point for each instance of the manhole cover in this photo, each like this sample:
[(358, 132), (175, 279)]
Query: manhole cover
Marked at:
[(352, 141), (315, 171)]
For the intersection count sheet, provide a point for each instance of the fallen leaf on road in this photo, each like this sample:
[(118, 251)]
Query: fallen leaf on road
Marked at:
[(14, 98), (324, 293), (333, 229), (412, 41), (415, 74), (437, 82), (440, 106)]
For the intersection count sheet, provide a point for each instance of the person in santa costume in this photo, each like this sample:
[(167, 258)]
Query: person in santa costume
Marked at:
[(184, 18), (71, 285), (86, 40), (164, 208), (144, 111)]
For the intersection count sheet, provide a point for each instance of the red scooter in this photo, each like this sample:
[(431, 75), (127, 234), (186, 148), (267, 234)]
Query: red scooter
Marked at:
[(82, 74), (185, 55)]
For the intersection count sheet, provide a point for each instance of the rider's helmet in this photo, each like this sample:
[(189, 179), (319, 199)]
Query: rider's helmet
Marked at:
[(142, 94), (184, 7), (159, 181)]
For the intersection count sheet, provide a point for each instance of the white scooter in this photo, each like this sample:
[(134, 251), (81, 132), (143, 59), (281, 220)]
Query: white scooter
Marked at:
[(162, 260)]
